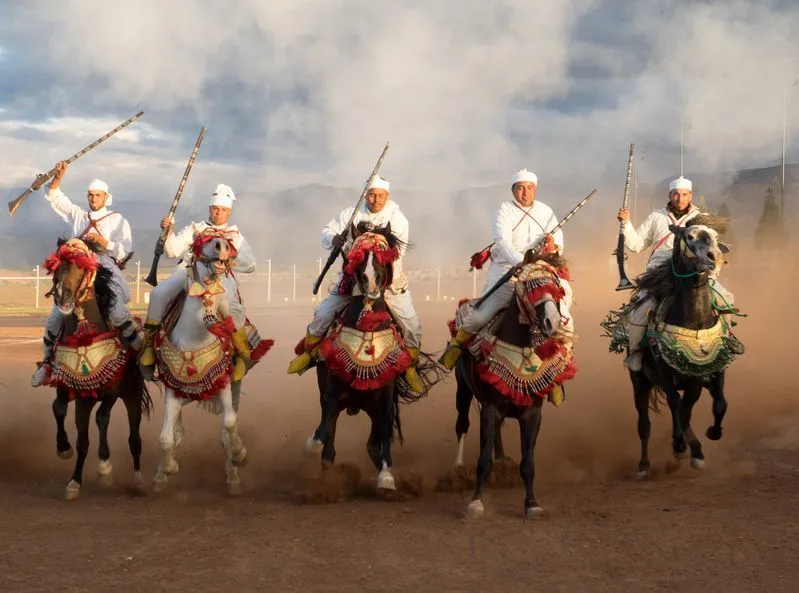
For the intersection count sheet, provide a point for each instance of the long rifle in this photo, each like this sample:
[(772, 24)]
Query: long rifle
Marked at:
[(624, 281), (513, 269), (45, 177), (152, 279), (337, 250)]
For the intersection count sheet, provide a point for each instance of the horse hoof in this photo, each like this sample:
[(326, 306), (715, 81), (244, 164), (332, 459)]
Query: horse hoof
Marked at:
[(533, 512), (138, 480), (714, 434), (240, 460), (385, 481), (66, 454), (72, 491), (313, 446), (159, 482), (642, 474), (172, 467), (234, 488), (697, 463), (104, 468), (475, 509)]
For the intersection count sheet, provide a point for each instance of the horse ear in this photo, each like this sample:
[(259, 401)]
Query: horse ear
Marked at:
[(529, 256), (388, 228), (354, 232), (723, 247), (677, 230)]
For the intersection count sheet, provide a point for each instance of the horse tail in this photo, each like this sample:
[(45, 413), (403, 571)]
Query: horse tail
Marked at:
[(657, 398), (145, 399), (430, 373)]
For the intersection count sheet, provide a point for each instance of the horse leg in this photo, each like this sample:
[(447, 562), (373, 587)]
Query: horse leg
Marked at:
[(231, 441), (60, 409), (529, 426), (385, 481), (166, 439), (327, 431), (642, 387), (690, 398), (716, 389), (463, 404), (499, 447), (83, 415), (134, 411), (231, 471), (488, 426), (103, 419), (373, 445)]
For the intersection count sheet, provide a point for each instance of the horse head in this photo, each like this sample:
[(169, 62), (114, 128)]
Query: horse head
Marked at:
[(370, 259), (74, 269), (697, 250), (538, 289), (213, 253)]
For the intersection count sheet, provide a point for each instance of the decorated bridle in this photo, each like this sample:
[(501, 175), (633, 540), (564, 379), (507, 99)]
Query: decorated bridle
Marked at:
[(212, 284), (379, 247), (77, 253)]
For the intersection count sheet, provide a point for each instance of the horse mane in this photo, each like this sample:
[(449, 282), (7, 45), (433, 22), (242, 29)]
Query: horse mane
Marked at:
[(393, 239), (720, 224)]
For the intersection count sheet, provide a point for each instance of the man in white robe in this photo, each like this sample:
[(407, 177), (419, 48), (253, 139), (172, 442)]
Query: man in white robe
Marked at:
[(519, 224), (378, 210), (178, 245), (654, 231), (108, 233)]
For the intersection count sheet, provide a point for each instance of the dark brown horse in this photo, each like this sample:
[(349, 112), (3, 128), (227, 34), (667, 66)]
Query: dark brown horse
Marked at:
[(92, 365), (522, 356), (362, 358), (689, 345)]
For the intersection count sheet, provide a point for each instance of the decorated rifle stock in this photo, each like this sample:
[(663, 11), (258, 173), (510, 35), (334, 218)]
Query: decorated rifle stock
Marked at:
[(624, 281), (514, 269), (337, 250), (45, 177), (152, 278)]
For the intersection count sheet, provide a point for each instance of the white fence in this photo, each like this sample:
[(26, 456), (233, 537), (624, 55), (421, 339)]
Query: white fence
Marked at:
[(277, 284)]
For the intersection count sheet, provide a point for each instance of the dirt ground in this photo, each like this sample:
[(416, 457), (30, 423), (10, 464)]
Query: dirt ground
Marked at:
[(730, 527)]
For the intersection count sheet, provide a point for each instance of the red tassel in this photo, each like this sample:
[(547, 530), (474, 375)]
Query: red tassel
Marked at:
[(452, 329), (262, 348), (479, 258), (549, 349)]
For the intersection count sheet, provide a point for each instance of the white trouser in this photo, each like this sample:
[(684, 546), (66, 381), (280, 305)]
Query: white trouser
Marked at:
[(475, 319), (401, 306), (169, 288), (118, 314)]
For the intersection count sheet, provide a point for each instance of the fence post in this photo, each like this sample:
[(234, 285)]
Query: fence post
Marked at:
[(36, 269), (269, 280), (438, 284), (138, 276), (294, 282)]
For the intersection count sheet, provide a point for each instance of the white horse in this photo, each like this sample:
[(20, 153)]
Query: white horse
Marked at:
[(194, 360)]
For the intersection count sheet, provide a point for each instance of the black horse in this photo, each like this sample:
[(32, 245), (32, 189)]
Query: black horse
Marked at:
[(362, 358), (531, 321), (73, 289), (686, 319)]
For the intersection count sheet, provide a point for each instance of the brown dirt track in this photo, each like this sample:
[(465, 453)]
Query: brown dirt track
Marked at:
[(730, 527)]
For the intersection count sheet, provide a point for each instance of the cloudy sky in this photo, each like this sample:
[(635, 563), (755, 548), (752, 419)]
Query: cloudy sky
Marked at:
[(295, 92)]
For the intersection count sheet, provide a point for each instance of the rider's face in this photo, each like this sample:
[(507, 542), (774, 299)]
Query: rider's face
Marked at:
[(218, 214), (524, 192), (376, 200), (680, 199)]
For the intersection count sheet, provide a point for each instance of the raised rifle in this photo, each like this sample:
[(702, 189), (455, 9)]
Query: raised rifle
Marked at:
[(514, 269), (337, 250), (45, 177), (624, 281), (152, 278)]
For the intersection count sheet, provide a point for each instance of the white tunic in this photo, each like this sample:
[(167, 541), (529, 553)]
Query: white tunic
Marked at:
[(114, 228), (390, 213), (516, 229), (178, 244), (654, 230)]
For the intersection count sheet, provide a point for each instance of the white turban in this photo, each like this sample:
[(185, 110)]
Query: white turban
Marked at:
[(525, 175), (379, 183), (98, 185), (681, 183), (223, 196)]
